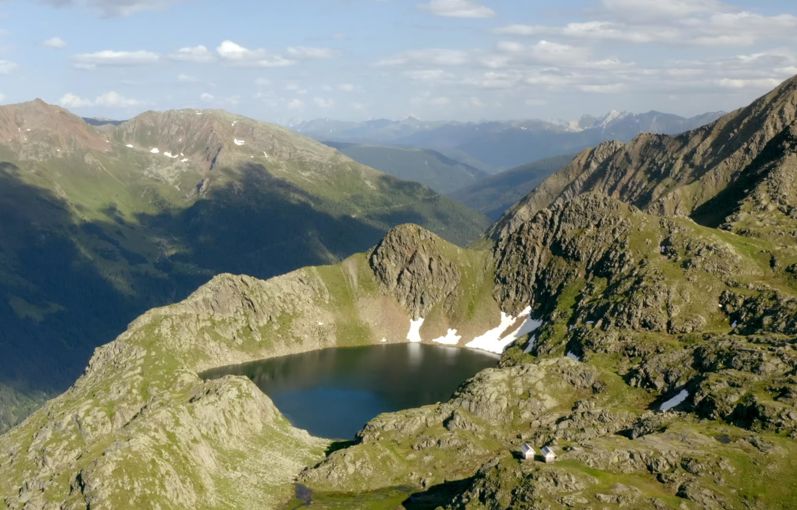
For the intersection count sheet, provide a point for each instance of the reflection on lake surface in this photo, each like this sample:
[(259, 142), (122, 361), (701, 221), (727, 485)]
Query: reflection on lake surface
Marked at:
[(334, 392)]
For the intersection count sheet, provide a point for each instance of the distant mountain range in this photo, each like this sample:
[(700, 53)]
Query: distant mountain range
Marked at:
[(426, 166), (501, 145), (495, 194), (103, 222)]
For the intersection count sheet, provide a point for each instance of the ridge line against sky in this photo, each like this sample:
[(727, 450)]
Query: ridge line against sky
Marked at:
[(360, 59)]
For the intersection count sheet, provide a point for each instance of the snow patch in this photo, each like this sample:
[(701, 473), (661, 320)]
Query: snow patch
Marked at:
[(450, 338), (571, 355), (676, 400), (414, 334), (384, 340), (238, 142), (265, 154), (155, 150), (198, 113), (170, 155), (130, 146), (497, 339), (184, 160)]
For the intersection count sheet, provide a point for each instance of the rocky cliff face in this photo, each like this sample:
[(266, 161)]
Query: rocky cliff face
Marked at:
[(411, 264), (670, 175)]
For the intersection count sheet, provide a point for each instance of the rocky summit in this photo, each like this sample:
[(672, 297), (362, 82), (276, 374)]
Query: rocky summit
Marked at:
[(662, 374)]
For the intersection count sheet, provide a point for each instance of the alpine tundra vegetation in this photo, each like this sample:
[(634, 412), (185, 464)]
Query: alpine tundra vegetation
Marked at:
[(666, 267)]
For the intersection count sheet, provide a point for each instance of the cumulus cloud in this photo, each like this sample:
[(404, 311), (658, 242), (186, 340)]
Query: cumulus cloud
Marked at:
[(110, 99), (54, 42), (199, 54), (114, 58), (234, 53), (458, 9)]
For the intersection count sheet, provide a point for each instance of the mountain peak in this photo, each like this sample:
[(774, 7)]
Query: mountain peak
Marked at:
[(36, 122)]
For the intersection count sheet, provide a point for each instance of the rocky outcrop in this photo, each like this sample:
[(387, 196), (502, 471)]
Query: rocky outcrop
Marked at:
[(417, 267)]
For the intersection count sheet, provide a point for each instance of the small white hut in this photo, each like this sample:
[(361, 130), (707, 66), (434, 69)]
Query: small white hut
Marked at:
[(548, 454), (527, 452)]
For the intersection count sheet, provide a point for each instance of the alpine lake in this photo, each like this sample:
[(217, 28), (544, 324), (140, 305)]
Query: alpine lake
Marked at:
[(333, 392)]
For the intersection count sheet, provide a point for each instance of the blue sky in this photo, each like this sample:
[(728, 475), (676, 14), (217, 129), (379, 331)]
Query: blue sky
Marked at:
[(359, 59)]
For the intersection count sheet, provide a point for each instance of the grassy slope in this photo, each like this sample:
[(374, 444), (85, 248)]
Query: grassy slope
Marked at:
[(94, 237), (142, 428)]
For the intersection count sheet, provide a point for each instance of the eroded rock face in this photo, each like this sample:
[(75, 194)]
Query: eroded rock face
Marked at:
[(416, 267)]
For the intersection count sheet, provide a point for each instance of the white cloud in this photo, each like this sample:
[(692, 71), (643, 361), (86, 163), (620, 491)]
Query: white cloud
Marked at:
[(309, 53), (114, 58), (234, 53), (206, 97), (560, 54), (655, 10), (430, 56), (6, 66), (346, 87), (187, 78), (110, 99), (2, 97), (112, 8), (295, 104), (198, 54), (54, 42), (742, 83), (676, 22), (458, 9)]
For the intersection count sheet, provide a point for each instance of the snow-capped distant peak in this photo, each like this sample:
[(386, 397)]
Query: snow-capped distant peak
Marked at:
[(612, 116)]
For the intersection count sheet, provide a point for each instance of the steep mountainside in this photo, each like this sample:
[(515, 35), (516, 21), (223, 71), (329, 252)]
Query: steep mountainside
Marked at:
[(675, 175), (496, 146), (100, 224), (494, 195), (425, 166), (663, 373)]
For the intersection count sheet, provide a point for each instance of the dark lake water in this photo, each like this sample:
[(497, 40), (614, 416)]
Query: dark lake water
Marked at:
[(334, 392)]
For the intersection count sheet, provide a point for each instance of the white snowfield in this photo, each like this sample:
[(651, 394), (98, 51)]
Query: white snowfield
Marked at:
[(494, 340), (450, 338), (130, 146), (414, 334), (676, 400), (239, 142)]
